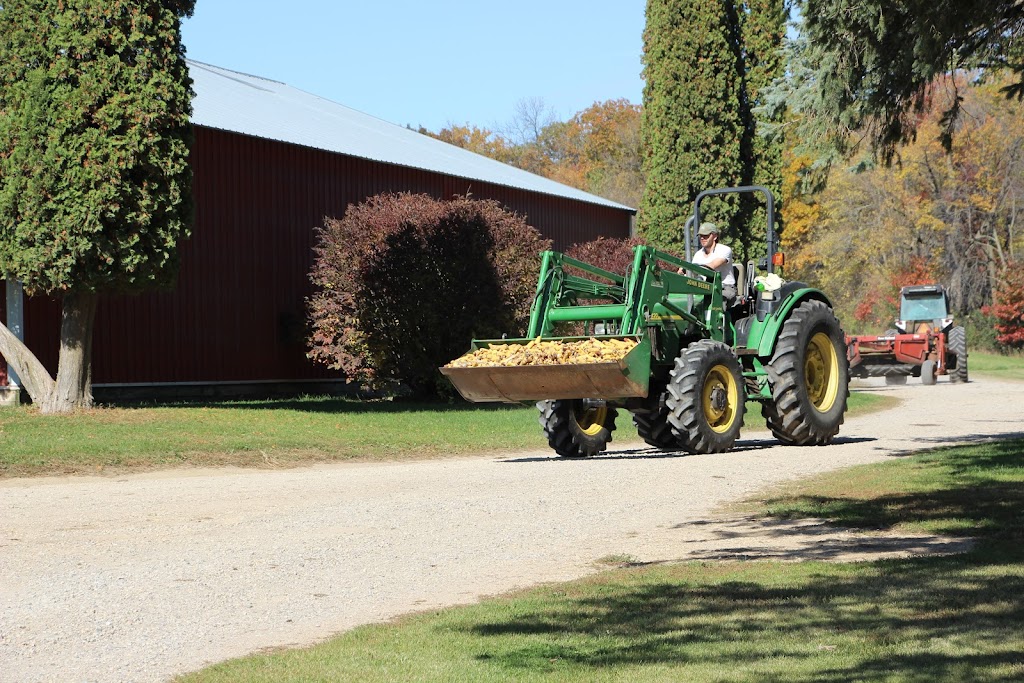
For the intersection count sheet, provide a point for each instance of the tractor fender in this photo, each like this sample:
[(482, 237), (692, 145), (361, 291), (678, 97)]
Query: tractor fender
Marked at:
[(765, 330)]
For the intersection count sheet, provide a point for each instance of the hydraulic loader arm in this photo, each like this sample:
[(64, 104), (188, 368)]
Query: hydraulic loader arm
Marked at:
[(647, 291)]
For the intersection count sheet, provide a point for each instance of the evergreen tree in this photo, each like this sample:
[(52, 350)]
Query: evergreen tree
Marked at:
[(872, 61), (704, 65), (95, 184), (763, 33)]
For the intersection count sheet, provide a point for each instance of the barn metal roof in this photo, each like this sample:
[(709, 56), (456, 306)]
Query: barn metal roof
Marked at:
[(240, 103)]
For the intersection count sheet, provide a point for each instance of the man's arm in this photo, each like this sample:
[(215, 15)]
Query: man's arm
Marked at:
[(721, 255), (715, 262)]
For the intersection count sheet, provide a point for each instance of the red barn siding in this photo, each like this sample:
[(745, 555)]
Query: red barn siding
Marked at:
[(237, 312)]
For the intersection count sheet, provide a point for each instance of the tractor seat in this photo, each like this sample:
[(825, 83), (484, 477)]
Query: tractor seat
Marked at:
[(742, 286), (739, 272)]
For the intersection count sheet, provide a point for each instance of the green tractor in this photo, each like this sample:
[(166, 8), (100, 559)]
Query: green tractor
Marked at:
[(696, 362)]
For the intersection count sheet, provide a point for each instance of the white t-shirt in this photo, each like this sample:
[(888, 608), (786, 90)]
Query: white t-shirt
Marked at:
[(720, 251)]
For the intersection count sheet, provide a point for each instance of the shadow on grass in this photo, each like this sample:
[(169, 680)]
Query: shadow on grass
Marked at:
[(955, 617), (975, 493), (919, 620), (943, 442)]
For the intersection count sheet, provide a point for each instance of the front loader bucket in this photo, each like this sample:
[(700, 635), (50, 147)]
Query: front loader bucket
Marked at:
[(627, 377)]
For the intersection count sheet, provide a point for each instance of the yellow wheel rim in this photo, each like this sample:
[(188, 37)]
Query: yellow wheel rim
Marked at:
[(821, 372), (720, 398), (591, 420)]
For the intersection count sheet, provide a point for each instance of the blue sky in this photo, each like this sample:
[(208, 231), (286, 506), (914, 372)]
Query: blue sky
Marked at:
[(431, 63)]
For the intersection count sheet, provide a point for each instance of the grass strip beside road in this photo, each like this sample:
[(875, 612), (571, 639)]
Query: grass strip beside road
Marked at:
[(1010, 367), (951, 618), (255, 434), (275, 434)]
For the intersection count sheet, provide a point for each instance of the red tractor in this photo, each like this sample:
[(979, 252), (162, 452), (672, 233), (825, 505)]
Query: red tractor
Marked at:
[(924, 344)]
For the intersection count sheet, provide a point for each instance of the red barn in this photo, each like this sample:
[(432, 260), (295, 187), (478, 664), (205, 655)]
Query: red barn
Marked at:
[(269, 163)]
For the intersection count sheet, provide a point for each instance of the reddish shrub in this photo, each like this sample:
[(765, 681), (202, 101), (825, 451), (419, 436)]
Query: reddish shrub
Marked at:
[(406, 281), (1008, 308), (608, 253)]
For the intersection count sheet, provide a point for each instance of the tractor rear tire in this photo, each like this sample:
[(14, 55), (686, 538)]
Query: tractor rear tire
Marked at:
[(706, 398), (928, 372), (653, 427), (574, 428), (956, 344), (809, 376)]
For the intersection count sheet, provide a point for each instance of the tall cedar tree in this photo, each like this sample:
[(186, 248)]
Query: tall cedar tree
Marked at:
[(95, 185), (763, 32), (873, 61), (704, 64)]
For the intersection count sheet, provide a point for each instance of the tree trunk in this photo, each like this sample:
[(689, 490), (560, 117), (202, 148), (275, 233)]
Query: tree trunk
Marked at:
[(74, 367), (33, 376)]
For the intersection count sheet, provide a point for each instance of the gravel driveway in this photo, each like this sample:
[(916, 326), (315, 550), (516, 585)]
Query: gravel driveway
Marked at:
[(141, 577)]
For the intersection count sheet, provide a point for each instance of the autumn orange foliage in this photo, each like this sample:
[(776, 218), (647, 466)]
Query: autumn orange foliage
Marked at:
[(1008, 308)]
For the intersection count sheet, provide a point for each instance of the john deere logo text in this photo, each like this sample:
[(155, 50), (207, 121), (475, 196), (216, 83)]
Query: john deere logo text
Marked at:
[(699, 284)]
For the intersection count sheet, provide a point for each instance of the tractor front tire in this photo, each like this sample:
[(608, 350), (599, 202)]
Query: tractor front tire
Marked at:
[(809, 377), (575, 428), (956, 344), (706, 398), (928, 372)]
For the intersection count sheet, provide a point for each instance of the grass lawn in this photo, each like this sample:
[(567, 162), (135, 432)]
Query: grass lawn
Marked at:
[(996, 365), (277, 433), (953, 618), (256, 433)]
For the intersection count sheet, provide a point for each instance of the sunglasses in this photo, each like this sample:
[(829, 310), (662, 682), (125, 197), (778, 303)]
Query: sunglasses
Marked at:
[(703, 236)]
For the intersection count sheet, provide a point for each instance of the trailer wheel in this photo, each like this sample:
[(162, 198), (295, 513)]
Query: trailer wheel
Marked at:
[(957, 346), (928, 372), (809, 377), (576, 428), (653, 426), (706, 398)]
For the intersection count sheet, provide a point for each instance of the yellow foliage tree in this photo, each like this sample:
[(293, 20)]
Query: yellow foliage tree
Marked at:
[(948, 216), (479, 140), (800, 210), (597, 150)]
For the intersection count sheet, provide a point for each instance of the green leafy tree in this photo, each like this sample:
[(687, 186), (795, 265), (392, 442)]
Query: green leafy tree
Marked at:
[(705, 64), (95, 184), (868, 64)]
